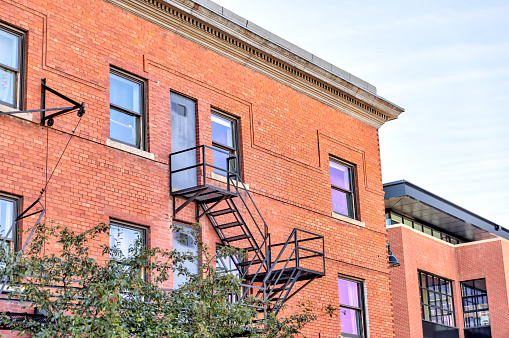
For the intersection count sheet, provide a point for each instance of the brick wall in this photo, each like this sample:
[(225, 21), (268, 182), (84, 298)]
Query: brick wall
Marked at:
[(286, 139), (417, 251)]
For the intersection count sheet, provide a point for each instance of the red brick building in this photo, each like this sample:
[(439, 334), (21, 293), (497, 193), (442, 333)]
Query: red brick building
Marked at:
[(453, 279), (158, 77)]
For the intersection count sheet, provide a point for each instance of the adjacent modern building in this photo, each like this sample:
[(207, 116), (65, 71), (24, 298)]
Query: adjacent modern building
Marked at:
[(453, 280), (183, 108)]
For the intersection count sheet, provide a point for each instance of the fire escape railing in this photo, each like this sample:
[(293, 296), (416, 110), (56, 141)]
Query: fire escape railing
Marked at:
[(264, 278)]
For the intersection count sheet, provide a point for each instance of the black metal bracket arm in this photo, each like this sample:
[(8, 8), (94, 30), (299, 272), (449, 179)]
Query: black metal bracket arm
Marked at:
[(49, 120)]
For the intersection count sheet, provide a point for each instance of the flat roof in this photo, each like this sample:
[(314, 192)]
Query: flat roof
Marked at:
[(408, 199)]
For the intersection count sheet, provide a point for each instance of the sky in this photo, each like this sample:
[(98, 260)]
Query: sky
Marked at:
[(446, 62)]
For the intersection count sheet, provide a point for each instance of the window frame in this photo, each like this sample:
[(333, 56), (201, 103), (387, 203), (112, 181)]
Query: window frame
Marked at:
[(232, 298), (465, 312), (362, 309), (16, 211), (142, 120), (127, 225), (20, 72), (352, 180), (429, 305), (179, 227), (235, 138)]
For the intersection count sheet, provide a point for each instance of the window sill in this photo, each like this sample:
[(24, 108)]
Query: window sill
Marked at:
[(222, 179), (129, 149), (24, 116), (347, 219)]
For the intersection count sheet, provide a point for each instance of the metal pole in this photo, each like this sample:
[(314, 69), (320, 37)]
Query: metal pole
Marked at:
[(43, 100), (296, 251), (323, 248), (204, 167), (171, 183)]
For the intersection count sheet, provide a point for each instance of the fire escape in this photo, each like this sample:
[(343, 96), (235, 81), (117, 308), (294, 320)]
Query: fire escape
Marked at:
[(273, 272)]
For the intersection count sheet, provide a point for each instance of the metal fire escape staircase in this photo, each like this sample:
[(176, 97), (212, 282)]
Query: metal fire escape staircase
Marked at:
[(270, 272)]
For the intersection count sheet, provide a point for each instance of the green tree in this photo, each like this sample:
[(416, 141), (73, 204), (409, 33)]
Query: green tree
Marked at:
[(85, 296)]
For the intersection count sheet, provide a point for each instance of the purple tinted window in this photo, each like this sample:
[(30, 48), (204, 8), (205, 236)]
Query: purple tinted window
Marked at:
[(350, 307), (348, 293), (341, 202), (350, 321), (339, 175)]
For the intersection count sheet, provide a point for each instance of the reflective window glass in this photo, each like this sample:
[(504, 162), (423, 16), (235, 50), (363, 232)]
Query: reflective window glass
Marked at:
[(224, 135), (183, 241), (436, 299), (350, 321), (124, 127), (396, 219), (124, 239), (125, 93), (340, 175), (222, 131), (475, 303), (6, 216), (7, 85), (126, 109), (9, 47), (341, 202), (343, 197), (351, 309), (10, 66)]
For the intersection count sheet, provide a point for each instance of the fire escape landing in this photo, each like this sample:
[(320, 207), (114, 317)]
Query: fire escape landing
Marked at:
[(270, 272)]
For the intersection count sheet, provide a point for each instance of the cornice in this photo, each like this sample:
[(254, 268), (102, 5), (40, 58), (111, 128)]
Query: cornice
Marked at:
[(238, 43)]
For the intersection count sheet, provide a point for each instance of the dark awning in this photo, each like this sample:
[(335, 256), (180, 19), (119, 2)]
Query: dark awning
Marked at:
[(408, 199)]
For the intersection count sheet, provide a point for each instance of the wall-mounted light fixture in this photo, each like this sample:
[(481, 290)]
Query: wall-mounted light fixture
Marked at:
[(393, 262)]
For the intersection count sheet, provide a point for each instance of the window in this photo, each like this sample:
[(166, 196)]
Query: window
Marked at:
[(342, 188), (224, 143), (8, 213), (436, 299), (351, 307), (125, 236), (226, 264), (127, 113), (183, 241), (11, 66), (475, 303), (394, 218)]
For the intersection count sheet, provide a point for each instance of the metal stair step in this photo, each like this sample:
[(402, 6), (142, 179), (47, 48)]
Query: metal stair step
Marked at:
[(236, 238), (257, 261), (220, 212), (228, 225)]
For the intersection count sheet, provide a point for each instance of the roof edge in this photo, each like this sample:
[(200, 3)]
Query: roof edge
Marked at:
[(292, 48), (443, 200), (207, 26)]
